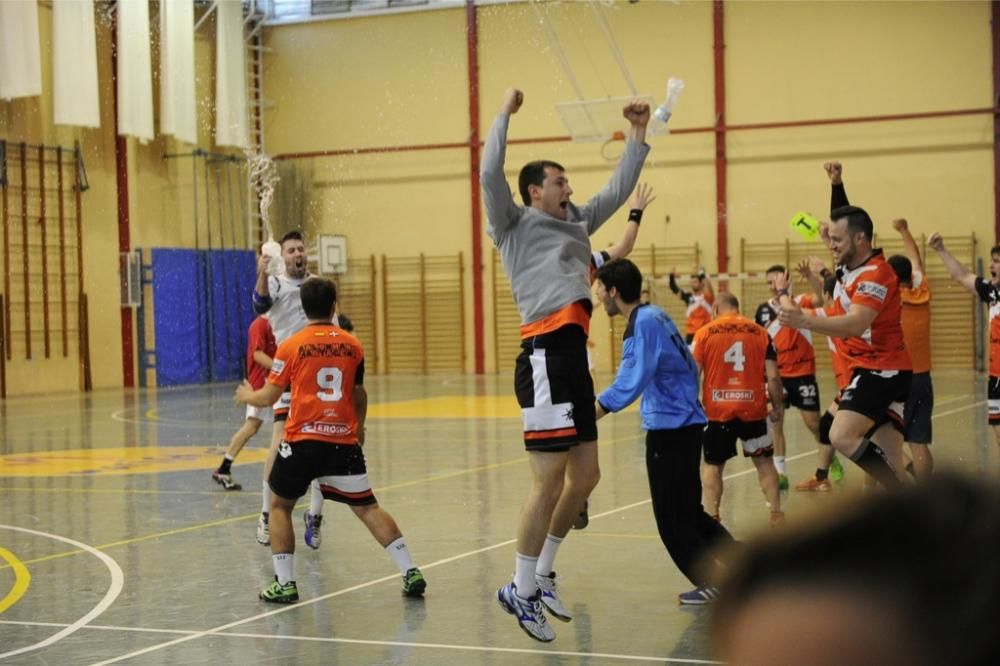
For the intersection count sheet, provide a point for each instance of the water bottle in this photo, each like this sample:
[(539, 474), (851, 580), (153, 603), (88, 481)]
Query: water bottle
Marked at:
[(276, 266), (663, 112)]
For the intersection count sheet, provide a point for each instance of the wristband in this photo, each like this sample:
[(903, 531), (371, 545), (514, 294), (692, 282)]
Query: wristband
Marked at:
[(635, 215), (825, 273)]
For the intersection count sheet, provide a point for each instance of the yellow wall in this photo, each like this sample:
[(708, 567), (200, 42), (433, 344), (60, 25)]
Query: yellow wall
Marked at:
[(160, 205), (401, 80)]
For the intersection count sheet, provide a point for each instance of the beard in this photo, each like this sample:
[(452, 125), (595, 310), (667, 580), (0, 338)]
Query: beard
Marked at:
[(296, 270)]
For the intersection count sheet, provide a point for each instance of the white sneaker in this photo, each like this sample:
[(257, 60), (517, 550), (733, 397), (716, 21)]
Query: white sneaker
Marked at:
[(528, 612), (263, 530), (550, 596)]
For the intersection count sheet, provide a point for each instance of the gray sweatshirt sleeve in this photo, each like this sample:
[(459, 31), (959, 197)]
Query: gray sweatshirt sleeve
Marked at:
[(501, 211), (611, 197)]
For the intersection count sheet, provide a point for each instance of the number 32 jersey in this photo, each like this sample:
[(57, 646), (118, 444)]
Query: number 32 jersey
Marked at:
[(322, 364), (733, 352)]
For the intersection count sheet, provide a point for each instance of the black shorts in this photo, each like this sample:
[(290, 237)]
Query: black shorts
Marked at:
[(993, 400), (801, 392), (340, 468), (555, 390), (720, 440), (918, 409), (878, 394)]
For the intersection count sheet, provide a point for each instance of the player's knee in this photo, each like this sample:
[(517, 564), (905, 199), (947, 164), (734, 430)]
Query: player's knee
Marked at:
[(825, 422)]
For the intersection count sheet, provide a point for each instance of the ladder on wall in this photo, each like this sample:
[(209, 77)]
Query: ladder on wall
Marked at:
[(253, 30)]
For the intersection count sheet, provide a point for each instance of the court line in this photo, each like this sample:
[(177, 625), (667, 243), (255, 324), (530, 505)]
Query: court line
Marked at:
[(358, 641), (22, 579), (395, 577), (253, 516), (114, 589)]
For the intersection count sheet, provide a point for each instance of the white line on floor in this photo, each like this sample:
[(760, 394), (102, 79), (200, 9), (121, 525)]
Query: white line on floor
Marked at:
[(302, 604), (357, 641), (117, 581)]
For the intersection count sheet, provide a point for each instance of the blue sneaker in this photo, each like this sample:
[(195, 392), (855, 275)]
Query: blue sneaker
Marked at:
[(529, 612), (700, 596), (313, 535)]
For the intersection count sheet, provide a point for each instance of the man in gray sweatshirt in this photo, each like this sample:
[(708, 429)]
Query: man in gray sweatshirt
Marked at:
[(545, 248)]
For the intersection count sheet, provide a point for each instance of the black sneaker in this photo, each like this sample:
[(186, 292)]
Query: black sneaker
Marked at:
[(226, 481)]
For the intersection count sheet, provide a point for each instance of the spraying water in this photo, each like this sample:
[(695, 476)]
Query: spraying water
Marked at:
[(264, 176), (674, 89)]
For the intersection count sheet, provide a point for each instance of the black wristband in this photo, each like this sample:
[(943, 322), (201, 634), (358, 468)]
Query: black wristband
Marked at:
[(635, 215), (825, 273)]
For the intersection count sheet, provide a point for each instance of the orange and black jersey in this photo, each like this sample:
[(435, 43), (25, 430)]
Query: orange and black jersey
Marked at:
[(989, 293), (733, 352), (874, 285), (322, 364), (796, 356)]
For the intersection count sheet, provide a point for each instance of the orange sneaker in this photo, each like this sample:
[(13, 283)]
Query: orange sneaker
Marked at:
[(814, 485)]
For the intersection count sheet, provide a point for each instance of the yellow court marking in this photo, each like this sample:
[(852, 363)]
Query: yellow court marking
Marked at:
[(22, 579), (253, 516), (117, 461)]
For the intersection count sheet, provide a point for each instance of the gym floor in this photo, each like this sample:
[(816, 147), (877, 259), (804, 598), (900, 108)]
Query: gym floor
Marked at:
[(117, 547)]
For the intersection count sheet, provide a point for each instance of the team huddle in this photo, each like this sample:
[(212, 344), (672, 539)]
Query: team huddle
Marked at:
[(721, 387)]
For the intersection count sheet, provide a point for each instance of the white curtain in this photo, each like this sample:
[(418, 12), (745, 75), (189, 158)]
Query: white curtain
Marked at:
[(177, 99), (20, 56), (230, 77), (135, 79), (74, 64)]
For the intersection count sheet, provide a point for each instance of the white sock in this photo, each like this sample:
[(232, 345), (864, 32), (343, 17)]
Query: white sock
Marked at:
[(283, 567), (524, 576), (547, 558), (265, 502), (315, 499), (779, 464), (400, 555)]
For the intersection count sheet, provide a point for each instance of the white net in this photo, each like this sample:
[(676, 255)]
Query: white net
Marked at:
[(593, 120)]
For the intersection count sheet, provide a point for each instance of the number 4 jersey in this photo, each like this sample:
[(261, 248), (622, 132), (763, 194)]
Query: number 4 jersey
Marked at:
[(322, 364), (732, 351)]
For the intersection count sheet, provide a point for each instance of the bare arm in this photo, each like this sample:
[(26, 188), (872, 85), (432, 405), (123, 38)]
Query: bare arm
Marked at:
[(774, 390), (265, 396), (707, 282), (958, 271), (361, 409), (909, 245), (262, 359), (643, 197), (857, 320), (805, 270)]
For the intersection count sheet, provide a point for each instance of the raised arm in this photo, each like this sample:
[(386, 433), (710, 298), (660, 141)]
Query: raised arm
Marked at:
[(706, 283), (684, 296), (643, 197), (838, 195), (604, 204), (501, 210), (262, 290), (909, 245), (958, 271), (805, 270)]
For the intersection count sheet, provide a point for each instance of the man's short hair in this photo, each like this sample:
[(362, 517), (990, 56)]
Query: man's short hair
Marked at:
[(903, 267), (729, 299), (871, 552), (294, 234), (858, 221), (995, 250), (318, 295), (623, 275), (533, 173), (345, 323), (777, 268)]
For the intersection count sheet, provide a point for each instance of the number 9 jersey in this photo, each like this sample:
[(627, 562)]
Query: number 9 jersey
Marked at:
[(322, 364)]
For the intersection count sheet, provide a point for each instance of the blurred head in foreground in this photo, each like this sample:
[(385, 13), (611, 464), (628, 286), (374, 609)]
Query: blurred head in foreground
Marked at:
[(900, 578)]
